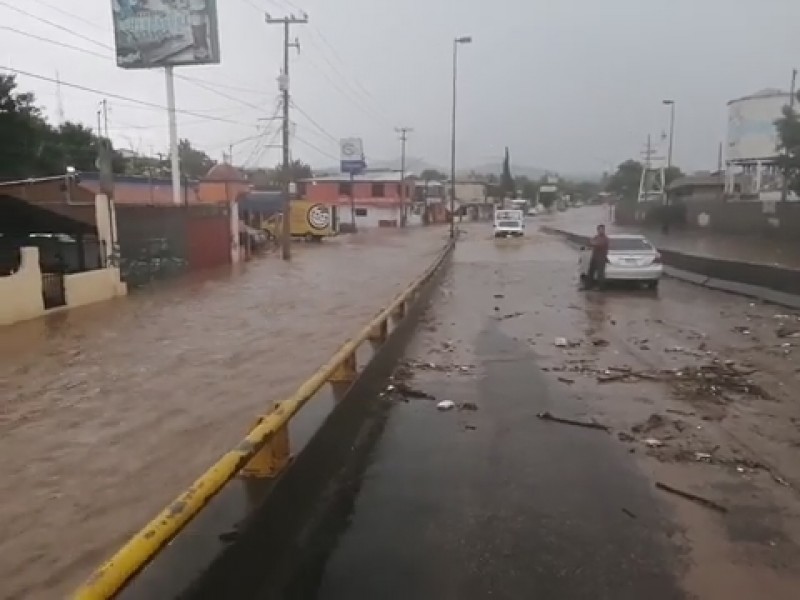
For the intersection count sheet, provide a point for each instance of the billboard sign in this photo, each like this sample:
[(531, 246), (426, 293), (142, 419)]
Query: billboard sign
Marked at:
[(163, 33), (351, 152)]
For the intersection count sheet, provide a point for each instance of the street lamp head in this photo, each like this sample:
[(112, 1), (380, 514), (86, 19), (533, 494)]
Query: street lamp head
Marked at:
[(467, 39), (668, 102)]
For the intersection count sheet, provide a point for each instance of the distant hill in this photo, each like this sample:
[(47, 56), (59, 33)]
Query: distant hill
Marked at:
[(417, 165)]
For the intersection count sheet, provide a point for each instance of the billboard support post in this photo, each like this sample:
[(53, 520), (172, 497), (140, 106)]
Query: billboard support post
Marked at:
[(173, 136)]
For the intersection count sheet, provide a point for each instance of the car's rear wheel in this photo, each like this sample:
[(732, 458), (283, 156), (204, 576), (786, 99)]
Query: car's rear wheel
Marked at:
[(653, 285)]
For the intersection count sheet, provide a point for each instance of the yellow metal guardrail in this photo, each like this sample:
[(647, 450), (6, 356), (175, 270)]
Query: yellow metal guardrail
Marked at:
[(264, 452)]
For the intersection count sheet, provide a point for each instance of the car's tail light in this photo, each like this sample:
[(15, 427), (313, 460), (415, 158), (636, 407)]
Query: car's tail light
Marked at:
[(657, 259)]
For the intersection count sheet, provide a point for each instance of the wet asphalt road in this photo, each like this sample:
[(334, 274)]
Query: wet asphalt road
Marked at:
[(496, 503), (108, 412)]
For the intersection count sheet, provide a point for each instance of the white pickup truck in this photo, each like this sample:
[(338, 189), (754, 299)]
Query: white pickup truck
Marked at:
[(509, 223)]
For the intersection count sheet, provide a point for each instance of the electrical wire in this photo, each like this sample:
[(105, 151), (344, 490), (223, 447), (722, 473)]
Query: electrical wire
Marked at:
[(335, 85), (72, 15), (336, 55), (54, 42), (315, 147), (56, 25), (356, 95), (314, 123), (118, 96), (191, 80), (208, 84)]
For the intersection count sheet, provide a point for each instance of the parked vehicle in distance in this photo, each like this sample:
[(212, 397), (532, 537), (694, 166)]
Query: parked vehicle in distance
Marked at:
[(630, 258), (509, 223), (309, 220)]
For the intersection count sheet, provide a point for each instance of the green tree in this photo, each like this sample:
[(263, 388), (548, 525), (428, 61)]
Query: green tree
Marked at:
[(194, 163), (788, 127), (22, 131), (432, 175), (625, 181), (297, 170), (507, 185)]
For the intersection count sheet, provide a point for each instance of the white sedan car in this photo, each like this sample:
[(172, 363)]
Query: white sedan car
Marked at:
[(630, 258)]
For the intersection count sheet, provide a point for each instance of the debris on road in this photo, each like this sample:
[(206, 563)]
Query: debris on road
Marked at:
[(629, 513), (654, 421), (742, 329), (510, 316), (653, 443), (468, 406), (446, 405), (693, 497), (785, 330), (499, 296), (683, 413), (431, 366), (561, 342), (407, 391), (600, 342), (547, 416), (470, 427), (566, 380), (625, 437)]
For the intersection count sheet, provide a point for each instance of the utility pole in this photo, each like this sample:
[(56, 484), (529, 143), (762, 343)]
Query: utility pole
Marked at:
[(287, 22), (403, 131), (105, 115), (785, 188), (671, 104), (60, 99)]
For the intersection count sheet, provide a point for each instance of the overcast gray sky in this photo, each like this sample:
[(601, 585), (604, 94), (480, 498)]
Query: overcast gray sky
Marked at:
[(569, 85)]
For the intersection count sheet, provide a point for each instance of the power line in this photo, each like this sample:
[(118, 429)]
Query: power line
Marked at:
[(54, 42), (357, 94), (357, 103), (118, 96), (102, 45), (202, 84), (71, 15), (338, 57), (315, 147), (56, 25), (191, 80), (314, 123)]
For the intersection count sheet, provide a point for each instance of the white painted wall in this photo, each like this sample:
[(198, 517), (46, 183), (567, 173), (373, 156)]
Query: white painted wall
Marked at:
[(470, 192), (374, 215), (21, 293)]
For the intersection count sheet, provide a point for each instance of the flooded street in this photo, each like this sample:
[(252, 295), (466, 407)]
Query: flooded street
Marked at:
[(107, 412), (568, 407)]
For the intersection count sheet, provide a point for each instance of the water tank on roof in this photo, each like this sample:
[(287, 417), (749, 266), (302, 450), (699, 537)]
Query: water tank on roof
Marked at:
[(751, 125)]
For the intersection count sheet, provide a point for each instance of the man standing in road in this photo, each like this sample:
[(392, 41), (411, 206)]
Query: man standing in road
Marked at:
[(597, 263)]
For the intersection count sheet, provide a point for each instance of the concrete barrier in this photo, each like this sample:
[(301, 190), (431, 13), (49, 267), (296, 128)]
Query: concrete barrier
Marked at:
[(779, 285)]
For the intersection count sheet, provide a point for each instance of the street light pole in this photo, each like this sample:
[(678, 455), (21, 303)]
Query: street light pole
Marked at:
[(671, 104), (456, 42)]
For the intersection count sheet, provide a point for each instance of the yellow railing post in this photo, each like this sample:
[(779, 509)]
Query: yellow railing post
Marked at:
[(400, 311), (346, 371), (380, 332), (273, 457)]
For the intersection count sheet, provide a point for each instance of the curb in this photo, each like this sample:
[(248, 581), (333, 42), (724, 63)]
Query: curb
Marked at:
[(740, 288)]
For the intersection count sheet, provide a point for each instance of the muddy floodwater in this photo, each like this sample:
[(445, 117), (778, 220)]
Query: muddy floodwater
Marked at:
[(107, 412)]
